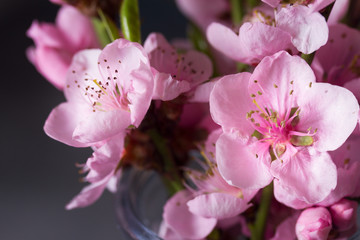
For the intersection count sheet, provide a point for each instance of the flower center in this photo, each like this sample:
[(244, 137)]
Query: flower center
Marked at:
[(277, 132)]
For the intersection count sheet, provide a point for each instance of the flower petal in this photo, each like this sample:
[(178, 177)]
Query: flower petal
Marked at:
[(62, 121), (217, 205), (309, 175), (89, 194), (308, 29), (186, 224), (99, 126), (329, 110), (238, 165), (229, 103)]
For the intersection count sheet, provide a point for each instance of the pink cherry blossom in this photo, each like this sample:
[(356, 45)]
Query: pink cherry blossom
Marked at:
[(347, 160), (338, 11), (257, 37), (182, 222), (201, 12), (313, 224), (101, 172), (344, 214), (286, 229), (338, 61), (106, 92), (301, 19), (292, 119), (174, 72), (213, 196), (55, 44)]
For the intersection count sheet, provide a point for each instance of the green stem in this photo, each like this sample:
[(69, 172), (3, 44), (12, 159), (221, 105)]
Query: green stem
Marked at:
[(308, 57), (258, 229), (237, 11), (171, 178)]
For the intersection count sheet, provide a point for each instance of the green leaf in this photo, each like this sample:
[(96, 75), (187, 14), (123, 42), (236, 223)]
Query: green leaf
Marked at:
[(130, 20), (101, 32), (110, 27)]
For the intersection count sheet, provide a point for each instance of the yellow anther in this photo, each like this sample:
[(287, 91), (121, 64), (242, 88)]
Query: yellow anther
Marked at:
[(97, 84)]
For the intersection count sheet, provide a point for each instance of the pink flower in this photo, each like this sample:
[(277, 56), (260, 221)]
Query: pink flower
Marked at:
[(256, 38), (344, 214), (278, 122), (286, 229), (56, 44), (175, 73), (101, 168), (180, 223), (201, 12), (314, 224), (347, 160), (338, 61), (338, 11), (268, 32), (106, 92)]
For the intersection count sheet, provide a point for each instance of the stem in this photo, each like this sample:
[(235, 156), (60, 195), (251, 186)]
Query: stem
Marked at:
[(237, 11), (258, 229), (308, 57), (171, 179)]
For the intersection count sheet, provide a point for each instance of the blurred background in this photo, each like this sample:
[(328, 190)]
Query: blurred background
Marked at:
[(38, 175)]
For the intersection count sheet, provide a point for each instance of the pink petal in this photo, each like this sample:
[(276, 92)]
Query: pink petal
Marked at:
[(81, 74), (128, 63), (88, 194), (338, 11), (347, 161), (288, 197), (178, 217), (338, 53), (239, 165), (278, 80), (191, 66), (105, 159), (45, 34), (354, 87), (318, 5), (167, 88), (201, 12), (202, 92), (62, 122), (319, 105), (309, 174), (314, 223), (308, 29), (225, 40), (286, 229), (76, 28), (229, 103), (254, 42), (217, 205), (272, 3), (99, 126)]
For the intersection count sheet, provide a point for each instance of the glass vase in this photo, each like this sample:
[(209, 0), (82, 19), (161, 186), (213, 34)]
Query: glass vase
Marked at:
[(140, 199)]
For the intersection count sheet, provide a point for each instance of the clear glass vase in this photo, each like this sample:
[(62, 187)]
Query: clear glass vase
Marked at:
[(139, 205), (140, 199)]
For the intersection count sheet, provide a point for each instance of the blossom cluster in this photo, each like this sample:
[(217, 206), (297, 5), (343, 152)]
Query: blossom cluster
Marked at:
[(270, 102)]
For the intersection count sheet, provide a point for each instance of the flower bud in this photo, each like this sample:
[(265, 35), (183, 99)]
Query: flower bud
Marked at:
[(313, 224), (344, 214)]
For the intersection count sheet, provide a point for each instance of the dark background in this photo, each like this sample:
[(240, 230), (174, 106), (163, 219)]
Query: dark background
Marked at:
[(37, 174)]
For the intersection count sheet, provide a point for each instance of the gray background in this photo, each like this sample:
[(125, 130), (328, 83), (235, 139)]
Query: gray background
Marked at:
[(37, 174)]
